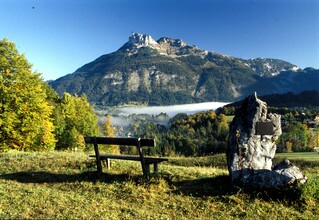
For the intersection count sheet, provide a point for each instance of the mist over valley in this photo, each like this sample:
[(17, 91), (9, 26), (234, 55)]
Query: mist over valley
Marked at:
[(123, 116)]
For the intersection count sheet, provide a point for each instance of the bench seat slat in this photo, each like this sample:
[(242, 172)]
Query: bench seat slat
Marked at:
[(148, 160)]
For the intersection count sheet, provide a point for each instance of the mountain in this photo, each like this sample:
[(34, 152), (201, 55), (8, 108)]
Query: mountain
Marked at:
[(169, 71), (308, 99)]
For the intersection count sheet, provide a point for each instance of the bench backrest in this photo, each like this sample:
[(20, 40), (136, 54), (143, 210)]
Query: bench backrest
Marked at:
[(121, 141)]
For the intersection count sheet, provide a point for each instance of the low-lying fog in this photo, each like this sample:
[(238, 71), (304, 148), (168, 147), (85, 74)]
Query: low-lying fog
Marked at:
[(171, 110), (123, 116)]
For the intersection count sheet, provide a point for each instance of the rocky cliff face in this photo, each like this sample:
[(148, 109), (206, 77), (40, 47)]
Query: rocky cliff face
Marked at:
[(169, 71), (141, 40), (164, 46)]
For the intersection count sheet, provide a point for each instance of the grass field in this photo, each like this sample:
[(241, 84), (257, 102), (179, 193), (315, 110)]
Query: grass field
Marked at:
[(300, 159), (306, 156), (64, 185)]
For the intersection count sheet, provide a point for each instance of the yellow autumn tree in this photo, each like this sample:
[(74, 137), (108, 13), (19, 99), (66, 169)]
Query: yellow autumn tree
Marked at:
[(25, 122), (109, 131), (74, 119)]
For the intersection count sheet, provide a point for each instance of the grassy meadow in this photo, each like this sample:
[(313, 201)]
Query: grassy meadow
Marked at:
[(300, 156), (64, 185)]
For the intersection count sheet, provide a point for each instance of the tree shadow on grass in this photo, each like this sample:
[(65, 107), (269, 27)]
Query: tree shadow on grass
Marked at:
[(221, 186), (47, 177), (215, 186), (218, 186)]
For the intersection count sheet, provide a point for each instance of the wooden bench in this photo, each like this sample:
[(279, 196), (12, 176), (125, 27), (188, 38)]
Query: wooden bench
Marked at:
[(138, 142)]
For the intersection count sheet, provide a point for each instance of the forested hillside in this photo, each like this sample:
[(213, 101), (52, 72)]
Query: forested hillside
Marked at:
[(206, 133), (203, 133)]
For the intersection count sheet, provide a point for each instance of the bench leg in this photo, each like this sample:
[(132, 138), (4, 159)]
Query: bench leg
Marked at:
[(147, 169), (98, 159), (156, 168), (99, 167), (108, 163)]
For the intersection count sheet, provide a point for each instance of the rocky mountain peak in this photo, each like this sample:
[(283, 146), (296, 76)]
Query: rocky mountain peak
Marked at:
[(141, 40), (171, 42), (173, 47), (269, 67), (165, 45)]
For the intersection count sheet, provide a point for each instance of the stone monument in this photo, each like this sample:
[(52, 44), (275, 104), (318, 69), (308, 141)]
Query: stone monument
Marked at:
[(251, 149)]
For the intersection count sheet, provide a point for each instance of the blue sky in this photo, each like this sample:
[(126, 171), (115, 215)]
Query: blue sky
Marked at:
[(59, 36)]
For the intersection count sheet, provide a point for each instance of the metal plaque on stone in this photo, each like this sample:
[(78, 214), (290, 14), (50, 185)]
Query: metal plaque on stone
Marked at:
[(264, 128)]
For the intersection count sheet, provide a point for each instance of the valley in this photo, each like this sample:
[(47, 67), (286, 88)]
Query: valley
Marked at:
[(122, 116)]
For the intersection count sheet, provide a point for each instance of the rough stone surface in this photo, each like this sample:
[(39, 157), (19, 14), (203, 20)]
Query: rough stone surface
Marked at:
[(250, 155), (142, 40)]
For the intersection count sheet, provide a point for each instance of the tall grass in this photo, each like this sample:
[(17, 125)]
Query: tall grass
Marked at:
[(65, 185)]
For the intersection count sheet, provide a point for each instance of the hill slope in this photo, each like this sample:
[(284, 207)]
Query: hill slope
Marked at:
[(169, 71)]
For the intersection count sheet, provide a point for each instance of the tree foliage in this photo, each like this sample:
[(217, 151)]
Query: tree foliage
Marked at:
[(25, 122), (32, 116), (203, 133), (109, 131), (74, 119), (107, 127), (297, 137)]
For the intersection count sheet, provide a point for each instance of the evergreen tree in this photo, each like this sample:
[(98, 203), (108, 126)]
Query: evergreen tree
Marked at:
[(25, 122)]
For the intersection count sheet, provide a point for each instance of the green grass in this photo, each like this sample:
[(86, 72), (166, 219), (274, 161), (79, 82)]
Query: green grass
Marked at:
[(216, 161), (300, 159), (64, 185), (308, 156)]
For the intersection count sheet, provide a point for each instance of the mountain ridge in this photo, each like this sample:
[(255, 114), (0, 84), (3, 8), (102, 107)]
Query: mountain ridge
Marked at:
[(169, 71)]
